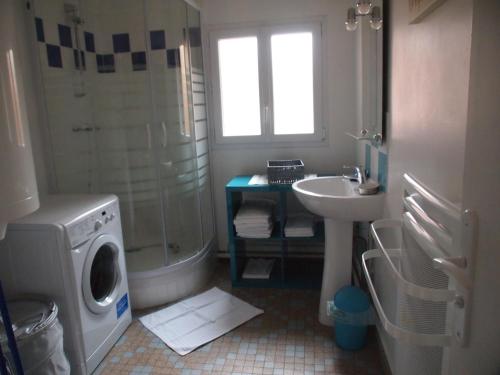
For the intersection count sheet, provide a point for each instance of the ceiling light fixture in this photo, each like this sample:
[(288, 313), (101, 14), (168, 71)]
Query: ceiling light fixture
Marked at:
[(363, 8)]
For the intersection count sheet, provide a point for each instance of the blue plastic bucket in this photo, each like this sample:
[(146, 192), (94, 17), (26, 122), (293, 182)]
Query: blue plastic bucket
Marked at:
[(351, 311)]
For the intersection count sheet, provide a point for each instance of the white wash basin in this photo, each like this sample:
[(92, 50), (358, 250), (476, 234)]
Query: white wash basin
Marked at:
[(337, 200)]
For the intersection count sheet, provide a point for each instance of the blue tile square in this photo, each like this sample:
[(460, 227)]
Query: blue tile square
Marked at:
[(269, 364), (121, 43), (79, 57), (54, 56), (157, 39), (89, 41), (105, 63), (40, 34), (220, 361), (109, 62), (319, 367), (194, 37), (208, 367), (368, 159), (173, 58), (138, 61), (65, 39), (382, 170)]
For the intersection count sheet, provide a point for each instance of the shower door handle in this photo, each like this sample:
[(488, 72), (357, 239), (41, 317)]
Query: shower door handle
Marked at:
[(148, 134), (164, 131)]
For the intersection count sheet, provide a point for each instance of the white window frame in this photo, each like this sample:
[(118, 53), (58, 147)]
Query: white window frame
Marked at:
[(263, 34)]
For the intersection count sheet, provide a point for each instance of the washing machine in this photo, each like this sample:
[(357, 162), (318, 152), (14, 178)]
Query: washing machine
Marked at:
[(71, 250)]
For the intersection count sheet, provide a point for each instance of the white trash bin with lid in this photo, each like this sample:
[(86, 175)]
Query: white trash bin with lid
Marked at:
[(39, 337)]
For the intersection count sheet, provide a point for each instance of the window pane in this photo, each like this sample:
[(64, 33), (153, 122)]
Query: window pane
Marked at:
[(239, 86), (292, 64)]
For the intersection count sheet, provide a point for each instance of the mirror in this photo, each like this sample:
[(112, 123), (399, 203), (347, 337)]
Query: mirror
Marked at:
[(365, 19)]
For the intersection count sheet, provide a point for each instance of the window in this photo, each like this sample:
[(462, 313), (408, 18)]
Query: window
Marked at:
[(239, 86), (267, 83)]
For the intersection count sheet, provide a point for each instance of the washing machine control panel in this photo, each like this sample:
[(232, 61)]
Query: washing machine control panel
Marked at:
[(81, 230)]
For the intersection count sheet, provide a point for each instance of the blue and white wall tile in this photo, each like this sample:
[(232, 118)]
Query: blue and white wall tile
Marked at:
[(375, 163)]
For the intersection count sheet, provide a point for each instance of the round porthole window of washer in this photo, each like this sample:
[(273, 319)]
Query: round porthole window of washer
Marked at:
[(103, 273)]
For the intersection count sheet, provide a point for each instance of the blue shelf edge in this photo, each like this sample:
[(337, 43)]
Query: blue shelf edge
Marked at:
[(240, 183)]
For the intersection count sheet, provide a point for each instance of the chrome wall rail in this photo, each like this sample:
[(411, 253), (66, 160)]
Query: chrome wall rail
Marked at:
[(431, 268)]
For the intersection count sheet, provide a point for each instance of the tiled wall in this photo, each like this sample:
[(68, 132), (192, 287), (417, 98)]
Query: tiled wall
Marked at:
[(106, 58), (375, 163), (374, 160)]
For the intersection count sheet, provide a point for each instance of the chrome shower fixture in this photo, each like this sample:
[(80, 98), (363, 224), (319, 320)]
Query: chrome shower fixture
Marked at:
[(363, 8), (73, 13)]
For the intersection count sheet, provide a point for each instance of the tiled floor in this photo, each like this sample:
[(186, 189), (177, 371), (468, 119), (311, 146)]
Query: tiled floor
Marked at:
[(286, 339)]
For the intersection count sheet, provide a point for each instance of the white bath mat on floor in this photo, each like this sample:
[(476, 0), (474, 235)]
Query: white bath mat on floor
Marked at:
[(195, 321)]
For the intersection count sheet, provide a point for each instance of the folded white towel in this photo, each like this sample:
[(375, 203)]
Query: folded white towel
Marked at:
[(255, 209), (300, 225), (254, 219), (300, 221)]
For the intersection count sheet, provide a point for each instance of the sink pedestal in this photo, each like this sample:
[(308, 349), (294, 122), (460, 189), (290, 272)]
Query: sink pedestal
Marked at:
[(338, 201), (337, 264)]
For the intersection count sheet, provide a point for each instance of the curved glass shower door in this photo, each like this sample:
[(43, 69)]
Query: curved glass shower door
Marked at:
[(126, 142), (199, 119), (124, 96), (171, 87)]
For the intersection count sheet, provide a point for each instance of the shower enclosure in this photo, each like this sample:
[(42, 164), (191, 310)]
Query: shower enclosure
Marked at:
[(124, 96)]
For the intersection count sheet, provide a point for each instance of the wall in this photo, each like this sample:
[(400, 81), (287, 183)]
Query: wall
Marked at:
[(428, 84), (481, 187), (428, 93), (443, 128), (340, 99)]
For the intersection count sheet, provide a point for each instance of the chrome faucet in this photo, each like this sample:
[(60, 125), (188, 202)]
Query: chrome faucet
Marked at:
[(359, 174)]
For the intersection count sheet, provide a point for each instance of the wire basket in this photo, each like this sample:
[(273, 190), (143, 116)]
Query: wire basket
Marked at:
[(284, 172)]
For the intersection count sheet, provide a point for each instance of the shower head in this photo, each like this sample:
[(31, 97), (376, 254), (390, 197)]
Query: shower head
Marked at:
[(72, 11)]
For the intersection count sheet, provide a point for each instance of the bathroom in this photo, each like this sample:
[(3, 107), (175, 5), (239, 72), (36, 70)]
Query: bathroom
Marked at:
[(126, 98)]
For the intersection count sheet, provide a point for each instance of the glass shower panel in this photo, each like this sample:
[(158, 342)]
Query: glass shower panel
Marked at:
[(122, 109), (125, 102), (171, 90), (199, 120), (98, 103), (69, 116)]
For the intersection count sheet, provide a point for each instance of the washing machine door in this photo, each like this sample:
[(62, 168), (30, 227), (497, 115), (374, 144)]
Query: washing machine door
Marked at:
[(101, 274)]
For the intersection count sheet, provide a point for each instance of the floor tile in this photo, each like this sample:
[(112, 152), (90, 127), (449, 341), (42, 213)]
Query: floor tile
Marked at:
[(286, 339)]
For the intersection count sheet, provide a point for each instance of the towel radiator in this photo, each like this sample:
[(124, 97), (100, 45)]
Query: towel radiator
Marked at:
[(430, 269)]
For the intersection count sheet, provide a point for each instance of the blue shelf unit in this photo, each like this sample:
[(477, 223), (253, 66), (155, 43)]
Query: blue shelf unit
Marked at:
[(288, 272)]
